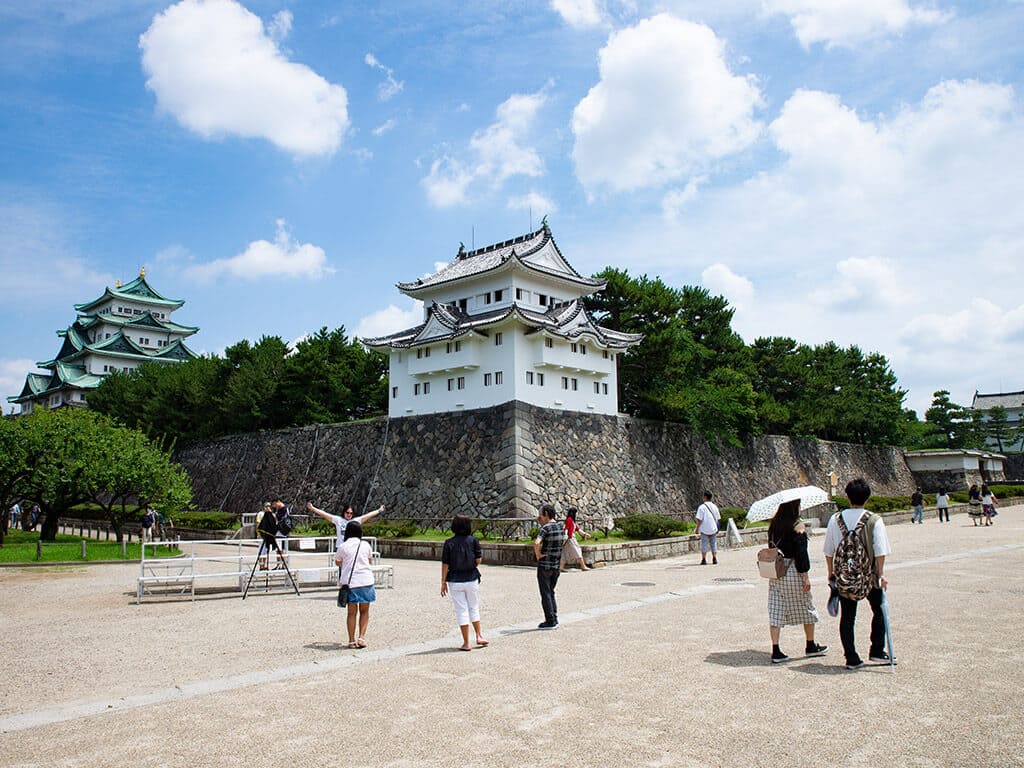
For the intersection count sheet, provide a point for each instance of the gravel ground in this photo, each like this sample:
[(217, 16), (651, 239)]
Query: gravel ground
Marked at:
[(670, 670)]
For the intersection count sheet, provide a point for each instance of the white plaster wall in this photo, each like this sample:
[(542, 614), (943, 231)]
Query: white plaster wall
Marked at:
[(517, 355)]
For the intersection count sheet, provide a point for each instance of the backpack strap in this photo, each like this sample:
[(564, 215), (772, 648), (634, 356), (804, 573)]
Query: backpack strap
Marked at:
[(869, 534)]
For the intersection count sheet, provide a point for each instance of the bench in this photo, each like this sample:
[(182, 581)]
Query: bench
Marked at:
[(180, 575)]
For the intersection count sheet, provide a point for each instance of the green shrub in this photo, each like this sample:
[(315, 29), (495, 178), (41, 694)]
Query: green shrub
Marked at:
[(317, 527), (206, 521), (391, 528), (646, 526), (733, 513), (90, 512)]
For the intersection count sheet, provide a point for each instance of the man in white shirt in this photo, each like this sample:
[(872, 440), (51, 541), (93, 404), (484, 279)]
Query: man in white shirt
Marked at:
[(707, 526), (858, 492)]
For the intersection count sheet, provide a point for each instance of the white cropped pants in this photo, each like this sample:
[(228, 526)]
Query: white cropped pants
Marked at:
[(464, 596)]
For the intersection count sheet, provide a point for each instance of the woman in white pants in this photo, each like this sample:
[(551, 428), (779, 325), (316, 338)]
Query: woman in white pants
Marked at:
[(460, 578)]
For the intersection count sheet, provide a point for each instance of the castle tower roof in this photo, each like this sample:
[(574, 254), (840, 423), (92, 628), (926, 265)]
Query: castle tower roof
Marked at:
[(535, 252)]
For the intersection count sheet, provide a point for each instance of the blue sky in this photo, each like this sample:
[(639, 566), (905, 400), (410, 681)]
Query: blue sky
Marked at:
[(838, 169)]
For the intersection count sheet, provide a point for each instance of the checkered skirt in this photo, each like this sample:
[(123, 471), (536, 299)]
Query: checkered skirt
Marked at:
[(788, 604)]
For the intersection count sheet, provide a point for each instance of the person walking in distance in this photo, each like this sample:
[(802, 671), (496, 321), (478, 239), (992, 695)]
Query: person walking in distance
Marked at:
[(988, 504), (547, 548), (707, 526), (917, 502), (571, 551), (942, 504), (856, 546)]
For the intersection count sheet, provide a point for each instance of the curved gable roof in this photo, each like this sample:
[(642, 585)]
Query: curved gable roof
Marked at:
[(568, 321), (176, 350), (534, 252), (137, 290)]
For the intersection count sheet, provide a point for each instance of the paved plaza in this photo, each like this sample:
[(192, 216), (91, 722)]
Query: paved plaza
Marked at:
[(662, 663)]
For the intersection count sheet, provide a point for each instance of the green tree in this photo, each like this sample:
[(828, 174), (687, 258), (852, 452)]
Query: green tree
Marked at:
[(21, 451), (250, 399), (779, 378), (997, 427), (75, 456), (949, 420), (690, 366), (142, 474), (326, 378), (916, 434)]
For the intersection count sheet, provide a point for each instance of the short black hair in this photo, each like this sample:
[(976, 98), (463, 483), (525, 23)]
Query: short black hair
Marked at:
[(858, 491), (353, 530), (548, 511), (707, 495), (461, 525)]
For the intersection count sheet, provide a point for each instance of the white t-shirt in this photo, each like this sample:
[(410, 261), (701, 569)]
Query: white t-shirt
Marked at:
[(362, 576), (851, 517), (340, 524), (988, 499), (942, 500), (707, 518)]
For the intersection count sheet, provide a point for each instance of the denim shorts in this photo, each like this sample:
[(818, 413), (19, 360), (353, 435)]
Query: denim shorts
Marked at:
[(362, 594)]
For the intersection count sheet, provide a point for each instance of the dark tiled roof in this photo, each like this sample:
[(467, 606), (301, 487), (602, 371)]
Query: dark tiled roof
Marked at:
[(558, 321), (521, 249), (1006, 399)]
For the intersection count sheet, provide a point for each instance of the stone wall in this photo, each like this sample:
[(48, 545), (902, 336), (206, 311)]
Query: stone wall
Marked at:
[(506, 461), (934, 480), (1013, 467)]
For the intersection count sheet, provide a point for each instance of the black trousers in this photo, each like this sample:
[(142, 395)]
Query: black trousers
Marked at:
[(547, 578), (848, 618)]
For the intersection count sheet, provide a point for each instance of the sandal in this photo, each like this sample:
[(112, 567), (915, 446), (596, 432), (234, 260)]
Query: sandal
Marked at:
[(481, 643), (360, 643), (465, 648), (353, 645)]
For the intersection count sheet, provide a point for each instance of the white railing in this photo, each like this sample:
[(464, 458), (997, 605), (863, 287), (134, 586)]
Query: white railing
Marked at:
[(225, 565)]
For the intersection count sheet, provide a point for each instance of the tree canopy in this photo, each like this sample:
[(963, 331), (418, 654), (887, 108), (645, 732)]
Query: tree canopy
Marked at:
[(266, 385), (58, 459), (692, 367)]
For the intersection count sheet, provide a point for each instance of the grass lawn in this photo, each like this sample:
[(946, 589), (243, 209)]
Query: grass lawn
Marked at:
[(20, 547)]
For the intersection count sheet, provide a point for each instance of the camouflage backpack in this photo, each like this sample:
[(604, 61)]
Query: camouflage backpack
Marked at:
[(853, 561)]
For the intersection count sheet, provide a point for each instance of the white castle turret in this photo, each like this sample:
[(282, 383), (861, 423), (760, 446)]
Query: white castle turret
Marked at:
[(504, 322)]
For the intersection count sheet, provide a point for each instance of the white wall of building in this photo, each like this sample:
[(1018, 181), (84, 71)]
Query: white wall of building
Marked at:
[(521, 368)]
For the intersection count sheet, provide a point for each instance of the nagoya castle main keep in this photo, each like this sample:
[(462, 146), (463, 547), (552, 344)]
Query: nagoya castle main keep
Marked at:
[(126, 326)]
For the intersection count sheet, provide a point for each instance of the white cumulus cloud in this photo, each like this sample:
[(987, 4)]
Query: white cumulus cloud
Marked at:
[(722, 281), (535, 202), (579, 13), (214, 66), (849, 22), (391, 319), (281, 258), (495, 154), (675, 200), (667, 106)]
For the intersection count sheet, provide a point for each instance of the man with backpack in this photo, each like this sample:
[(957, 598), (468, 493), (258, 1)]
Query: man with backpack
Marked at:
[(856, 546)]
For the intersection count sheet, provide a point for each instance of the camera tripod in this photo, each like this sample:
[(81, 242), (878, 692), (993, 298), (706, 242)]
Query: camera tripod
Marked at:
[(269, 542)]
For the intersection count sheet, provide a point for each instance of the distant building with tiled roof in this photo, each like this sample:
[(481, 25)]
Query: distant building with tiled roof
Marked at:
[(125, 327), (504, 322), (1013, 402)]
